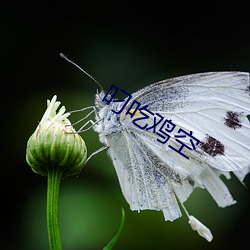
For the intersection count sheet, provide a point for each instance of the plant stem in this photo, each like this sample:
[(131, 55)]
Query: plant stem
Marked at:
[(54, 177)]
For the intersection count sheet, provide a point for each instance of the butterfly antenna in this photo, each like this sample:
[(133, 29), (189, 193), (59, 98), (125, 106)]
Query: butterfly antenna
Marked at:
[(68, 60)]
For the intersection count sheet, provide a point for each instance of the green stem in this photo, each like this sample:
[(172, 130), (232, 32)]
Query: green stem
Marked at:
[(54, 177)]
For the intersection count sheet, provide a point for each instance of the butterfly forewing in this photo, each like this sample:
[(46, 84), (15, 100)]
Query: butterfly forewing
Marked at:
[(213, 106)]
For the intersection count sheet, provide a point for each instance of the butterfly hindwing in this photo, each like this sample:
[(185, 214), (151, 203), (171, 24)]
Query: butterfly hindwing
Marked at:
[(144, 179)]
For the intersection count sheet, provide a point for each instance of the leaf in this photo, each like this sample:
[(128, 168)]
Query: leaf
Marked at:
[(117, 234)]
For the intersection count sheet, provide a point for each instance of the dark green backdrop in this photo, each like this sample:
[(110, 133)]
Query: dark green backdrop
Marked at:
[(130, 45)]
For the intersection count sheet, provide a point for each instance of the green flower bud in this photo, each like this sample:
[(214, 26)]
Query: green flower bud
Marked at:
[(55, 144)]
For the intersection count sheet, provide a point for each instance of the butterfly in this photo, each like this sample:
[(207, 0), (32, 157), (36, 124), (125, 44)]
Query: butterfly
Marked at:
[(214, 106), (176, 135)]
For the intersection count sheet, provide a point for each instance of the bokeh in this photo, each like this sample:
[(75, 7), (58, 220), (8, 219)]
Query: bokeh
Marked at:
[(130, 46)]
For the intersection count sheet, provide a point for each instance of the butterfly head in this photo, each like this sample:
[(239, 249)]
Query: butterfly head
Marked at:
[(98, 99)]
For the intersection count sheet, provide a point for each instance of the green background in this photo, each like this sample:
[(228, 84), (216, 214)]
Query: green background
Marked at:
[(130, 45)]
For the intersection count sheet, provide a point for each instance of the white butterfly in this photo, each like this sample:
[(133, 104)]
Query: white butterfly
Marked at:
[(215, 106)]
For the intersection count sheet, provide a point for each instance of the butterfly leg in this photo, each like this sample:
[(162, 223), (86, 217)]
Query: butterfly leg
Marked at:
[(86, 116), (81, 129), (91, 155), (96, 152)]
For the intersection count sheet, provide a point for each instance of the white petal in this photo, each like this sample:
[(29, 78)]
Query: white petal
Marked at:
[(200, 228), (51, 115), (50, 110)]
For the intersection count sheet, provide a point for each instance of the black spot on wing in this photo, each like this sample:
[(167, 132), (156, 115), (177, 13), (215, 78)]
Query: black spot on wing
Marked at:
[(233, 119), (212, 146)]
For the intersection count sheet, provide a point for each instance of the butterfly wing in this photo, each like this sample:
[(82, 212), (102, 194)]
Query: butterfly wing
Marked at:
[(214, 107), (151, 177), (138, 170)]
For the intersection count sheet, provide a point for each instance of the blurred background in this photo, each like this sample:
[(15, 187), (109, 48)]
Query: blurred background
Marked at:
[(130, 45)]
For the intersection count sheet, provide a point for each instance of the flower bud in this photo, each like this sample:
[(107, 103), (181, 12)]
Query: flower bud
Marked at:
[(55, 144)]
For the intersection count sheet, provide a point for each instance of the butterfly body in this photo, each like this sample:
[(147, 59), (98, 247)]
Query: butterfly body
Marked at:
[(109, 122)]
